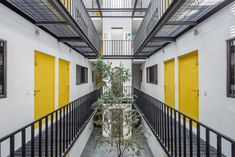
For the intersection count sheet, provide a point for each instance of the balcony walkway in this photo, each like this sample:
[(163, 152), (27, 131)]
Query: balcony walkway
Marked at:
[(91, 151)]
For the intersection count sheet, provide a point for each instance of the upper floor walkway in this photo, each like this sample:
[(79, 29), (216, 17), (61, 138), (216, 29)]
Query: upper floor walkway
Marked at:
[(70, 22)]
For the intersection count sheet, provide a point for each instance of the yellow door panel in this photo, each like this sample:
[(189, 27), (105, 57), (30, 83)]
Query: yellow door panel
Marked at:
[(169, 83), (63, 82), (188, 85), (44, 84)]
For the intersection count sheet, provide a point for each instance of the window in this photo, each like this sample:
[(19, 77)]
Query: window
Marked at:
[(2, 69), (231, 68), (81, 75), (152, 74)]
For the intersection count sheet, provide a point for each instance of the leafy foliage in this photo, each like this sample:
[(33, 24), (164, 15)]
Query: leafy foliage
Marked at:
[(118, 119)]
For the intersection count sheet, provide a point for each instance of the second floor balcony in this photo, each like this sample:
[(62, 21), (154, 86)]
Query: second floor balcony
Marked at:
[(118, 48)]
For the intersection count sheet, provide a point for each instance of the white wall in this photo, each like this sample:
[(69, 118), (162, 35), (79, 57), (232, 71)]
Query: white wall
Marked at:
[(108, 23), (18, 108), (216, 109)]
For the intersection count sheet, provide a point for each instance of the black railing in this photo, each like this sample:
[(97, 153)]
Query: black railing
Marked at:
[(117, 48), (179, 134), (53, 134), (78, 11), (155, 11), (116, 3), (127, 93)]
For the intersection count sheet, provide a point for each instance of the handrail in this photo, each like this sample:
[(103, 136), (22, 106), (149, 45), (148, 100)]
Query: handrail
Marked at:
[(65, 122), (117, 48), (82, 18), (156, 10), (168, 124)]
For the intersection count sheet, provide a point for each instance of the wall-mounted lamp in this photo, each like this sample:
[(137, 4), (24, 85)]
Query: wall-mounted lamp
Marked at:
[(195, 31), (37, 31)]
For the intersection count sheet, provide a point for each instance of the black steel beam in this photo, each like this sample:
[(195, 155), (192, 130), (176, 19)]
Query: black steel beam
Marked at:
[(133, 13), (190, 23), (117, 56), (117, 9), (149, 46), (80, 47), (69, 39), (168, 39), (98, 4), (39, 23)]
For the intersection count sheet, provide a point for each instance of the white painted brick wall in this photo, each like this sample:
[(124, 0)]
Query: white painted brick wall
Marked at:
[(216, 109)]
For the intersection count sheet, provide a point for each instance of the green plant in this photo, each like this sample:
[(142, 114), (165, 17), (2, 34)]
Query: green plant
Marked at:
[(102, 72), (118, 76), (113, 115)]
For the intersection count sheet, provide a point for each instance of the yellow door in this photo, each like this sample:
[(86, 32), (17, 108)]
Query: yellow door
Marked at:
[(188, 85), (169, 83), (63, 82), (44, 84)]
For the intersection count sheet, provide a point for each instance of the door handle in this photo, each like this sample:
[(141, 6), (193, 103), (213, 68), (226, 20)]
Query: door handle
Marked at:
[(197, 91), (36, 91)]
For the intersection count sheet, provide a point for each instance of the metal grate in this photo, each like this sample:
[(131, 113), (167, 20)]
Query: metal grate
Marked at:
[(53, 17), (183, 14)]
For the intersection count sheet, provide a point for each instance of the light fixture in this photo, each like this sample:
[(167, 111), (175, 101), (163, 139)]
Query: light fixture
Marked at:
[(37, 31)]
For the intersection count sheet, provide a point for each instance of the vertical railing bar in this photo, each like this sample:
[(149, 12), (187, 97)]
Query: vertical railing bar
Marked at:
[(60, 133), (56, 133), (219, 145), (198, 140), (233, 149), (175, 132), (190, 138), (184, 134), (46, 136), (67, 126), (22, 142), (168, 128), (40, 138), (12, 145), (64, 125), (160, 119), (179, 132), (52, 123), (165, 129), (207, 142), (172, 144), (32, 140)]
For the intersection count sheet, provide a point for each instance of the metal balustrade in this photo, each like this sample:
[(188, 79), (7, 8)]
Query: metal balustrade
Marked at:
[(117, 48), (155, 11), (53, 134), (67, 20), (180, 135), (117, 3), (83, 19), (127, 93)]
